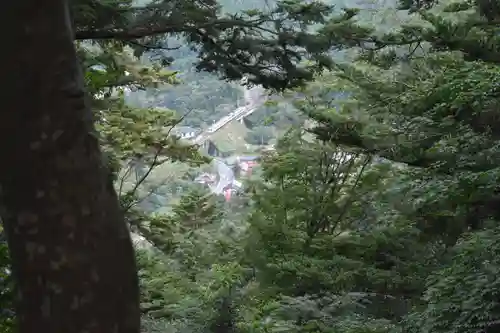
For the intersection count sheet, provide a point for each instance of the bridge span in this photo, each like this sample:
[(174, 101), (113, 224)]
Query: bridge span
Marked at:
[(250, 106), (253, 98)]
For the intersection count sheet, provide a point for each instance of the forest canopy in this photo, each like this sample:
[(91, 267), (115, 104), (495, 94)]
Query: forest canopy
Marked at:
[(376, 211)]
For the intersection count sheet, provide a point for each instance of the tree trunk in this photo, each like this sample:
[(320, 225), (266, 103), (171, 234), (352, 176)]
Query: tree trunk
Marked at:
[(71, 251)]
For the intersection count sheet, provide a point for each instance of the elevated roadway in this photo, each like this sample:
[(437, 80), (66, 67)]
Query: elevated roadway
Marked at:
[(252, 102), (253, 98)]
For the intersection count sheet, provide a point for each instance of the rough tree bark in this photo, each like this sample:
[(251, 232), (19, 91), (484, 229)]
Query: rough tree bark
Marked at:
[(71, 250)]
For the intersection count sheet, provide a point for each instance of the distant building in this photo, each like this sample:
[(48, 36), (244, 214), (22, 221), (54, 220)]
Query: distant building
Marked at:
[(254, 158), (185, 132), (237, 184), (246, 163), (232, 189), (267, 149), (205, 178)]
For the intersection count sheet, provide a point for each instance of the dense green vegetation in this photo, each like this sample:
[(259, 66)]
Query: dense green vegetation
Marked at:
[(376, 213)]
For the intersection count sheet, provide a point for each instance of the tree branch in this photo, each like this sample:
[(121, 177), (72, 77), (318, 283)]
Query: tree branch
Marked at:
[(152, 30), (154, 163), (152, 47)]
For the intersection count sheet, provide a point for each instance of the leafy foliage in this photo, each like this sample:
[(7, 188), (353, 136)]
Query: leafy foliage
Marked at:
[(267, 46), (462, 296), (378, 212), (381, 216), (7, 316)]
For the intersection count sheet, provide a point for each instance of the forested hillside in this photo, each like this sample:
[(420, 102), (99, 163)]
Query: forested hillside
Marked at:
[(376, 212), (202, 97)]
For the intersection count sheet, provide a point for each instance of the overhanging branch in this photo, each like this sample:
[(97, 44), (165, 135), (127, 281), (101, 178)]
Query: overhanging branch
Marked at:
[(152, 30), (124, 34)]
